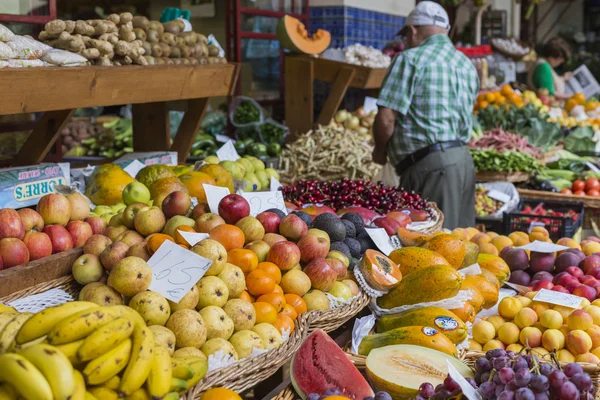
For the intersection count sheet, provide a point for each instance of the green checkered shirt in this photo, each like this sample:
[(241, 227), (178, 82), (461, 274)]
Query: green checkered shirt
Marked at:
[(433, 87)]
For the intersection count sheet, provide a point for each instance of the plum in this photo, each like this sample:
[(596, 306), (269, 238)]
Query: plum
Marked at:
[(574, 271), (543, 276), (520, 278), (589, 262), (517, 259), (566, 260), (595, 272), (541, 262), (505, 251), (557, 278)]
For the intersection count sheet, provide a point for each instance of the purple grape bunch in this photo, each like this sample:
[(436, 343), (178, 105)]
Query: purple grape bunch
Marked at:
[(504, 375), (336, 392)]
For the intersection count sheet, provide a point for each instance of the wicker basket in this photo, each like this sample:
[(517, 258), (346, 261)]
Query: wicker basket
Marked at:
[(513, 177), (287, 394), (333, 318), (440, 222)]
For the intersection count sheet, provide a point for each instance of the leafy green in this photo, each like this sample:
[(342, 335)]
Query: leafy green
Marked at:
[(542, 134), (509, 161), (581, 140), (566, 164)]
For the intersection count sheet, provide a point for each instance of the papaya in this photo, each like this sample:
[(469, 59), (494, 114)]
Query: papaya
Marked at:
[(162, 187), (221, 176), (452, 248), (151, 173), (495, 265), (490, 277), (411, 259), (425, 336), (410, 238), (441, 319), (471, 255), (433, 283), (380, 272), (105, 186), (477, 299), (488, 289), (466, 313)]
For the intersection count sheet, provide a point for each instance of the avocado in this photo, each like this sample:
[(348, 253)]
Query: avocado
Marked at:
[(333, 226), (304, 217), (354, 246), (277, 211), (350, 228), (356, 219), (342, 247)]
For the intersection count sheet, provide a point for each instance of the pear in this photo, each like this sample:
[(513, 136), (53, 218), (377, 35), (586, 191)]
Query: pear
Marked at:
[(163, 337), (241, 313), (212, 292), (213, 345), (130, 276), (100, 294), (245, 341), (218, 323), (189, 301), (153, 307), (234, 279), (189, 328), (269, 334)]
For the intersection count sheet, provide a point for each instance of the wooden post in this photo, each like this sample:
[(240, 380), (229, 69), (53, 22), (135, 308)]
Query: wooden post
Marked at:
[(184, 139), (299, 94), (336, 95), (151, 127)]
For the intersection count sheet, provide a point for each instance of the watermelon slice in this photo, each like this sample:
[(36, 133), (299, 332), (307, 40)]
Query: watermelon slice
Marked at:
[(320, 364)]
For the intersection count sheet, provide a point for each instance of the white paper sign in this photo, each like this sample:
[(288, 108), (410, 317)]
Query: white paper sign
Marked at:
[(534, 224), (214, 194), (275, 184), (227, 152), (519, 288), (543, 247), (176, 270), (370, 104), (558, 298), (471, 270), (468, 391), (497, 195), (193, 237), (224, 139), (592, 167), (133, 168), (383, 242), (262, 201)]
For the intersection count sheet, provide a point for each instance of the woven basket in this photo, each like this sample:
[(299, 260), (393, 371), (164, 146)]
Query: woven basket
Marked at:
[(333, 318), (514, 177), (440, 222), (287, 394)]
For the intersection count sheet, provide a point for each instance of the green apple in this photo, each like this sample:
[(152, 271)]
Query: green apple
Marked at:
[(272, 173), (251, 177), (341, 291), (107, 216), (234, 168), (100, 210), (247, 165), (118, 207), (136, 192), (211, 160), (263, 178)]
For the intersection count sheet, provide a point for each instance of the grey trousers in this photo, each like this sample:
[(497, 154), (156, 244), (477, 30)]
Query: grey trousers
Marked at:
[(447, 178)]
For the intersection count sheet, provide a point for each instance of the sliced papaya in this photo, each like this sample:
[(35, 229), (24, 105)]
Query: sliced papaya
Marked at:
[(379, 271), (293, 36), (410, 238)]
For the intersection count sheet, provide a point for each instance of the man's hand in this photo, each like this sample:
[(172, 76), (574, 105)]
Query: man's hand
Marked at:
[(379, 156)]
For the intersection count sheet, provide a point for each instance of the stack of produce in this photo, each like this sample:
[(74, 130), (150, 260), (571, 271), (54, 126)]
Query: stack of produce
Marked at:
[(485, 205), (507, 96), (328, 153), (501, 141), (76, 131), (509, 161), (248, 169), (110, 139), (589, 187), (366, 56), (579, 111), (359, 120), (59, 224), (123, 39)]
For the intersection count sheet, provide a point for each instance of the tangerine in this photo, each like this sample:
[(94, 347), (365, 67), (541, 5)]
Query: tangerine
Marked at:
[(483, 104), (230, 236), (265, 312), (490, 97), (278, 290), (259, 282), (276, 299), (185, 246), (156, 240), (194, 181), (579, 98), (184, 228), (272, 270), (246, 259), (284, 322), (220, 394), (247, 297), (290, 311), (297, 302), (506, 90)]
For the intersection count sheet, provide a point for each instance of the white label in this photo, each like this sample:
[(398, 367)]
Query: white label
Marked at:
[(223, 139), (381, 239), (262, 201), (592, 167), (176, 270), (543, 247), (558, 298), (534, 224), (214, 194), (471, 270), (227, 152), (497, 195), (133, 168), (275, 184), (519, 288), (193, 237), (370, 104), (468, 390)]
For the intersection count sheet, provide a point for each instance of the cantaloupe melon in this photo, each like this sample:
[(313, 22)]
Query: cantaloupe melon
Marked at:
[(401, 369), (293, 36)]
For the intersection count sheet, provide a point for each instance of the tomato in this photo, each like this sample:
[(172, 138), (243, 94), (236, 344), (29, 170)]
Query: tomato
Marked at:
[(578, 185), (593, 193), (579, 193), (592, 183), (566, 191)]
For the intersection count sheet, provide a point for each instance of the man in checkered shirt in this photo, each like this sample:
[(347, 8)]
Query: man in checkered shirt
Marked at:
[(424, 118)]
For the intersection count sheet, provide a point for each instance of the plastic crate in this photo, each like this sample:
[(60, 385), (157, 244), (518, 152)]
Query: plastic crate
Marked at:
[(558, 227), (492, 224)]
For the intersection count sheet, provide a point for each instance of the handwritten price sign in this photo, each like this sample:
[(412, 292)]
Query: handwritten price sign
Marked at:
[(262, 201), (176, 270)]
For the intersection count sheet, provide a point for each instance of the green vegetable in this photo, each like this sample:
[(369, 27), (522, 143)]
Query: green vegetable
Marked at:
[(274, 149), (272, 133), (240, 147), (510, 161), (246, 112), (258, 149), (581, 140)]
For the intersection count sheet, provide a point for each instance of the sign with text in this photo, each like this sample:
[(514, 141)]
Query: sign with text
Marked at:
[(543, 247), (384, 243), (214, 194), (262, 201), (227, 152), (558, 298), (498, 195), (193, 237), (176, 270)]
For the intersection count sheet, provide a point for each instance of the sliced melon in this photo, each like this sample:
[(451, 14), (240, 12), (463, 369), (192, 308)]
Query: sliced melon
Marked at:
[(401, 369), (293, 36)]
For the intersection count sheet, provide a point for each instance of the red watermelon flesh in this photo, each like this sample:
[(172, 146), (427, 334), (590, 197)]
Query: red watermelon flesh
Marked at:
[(320, 364)]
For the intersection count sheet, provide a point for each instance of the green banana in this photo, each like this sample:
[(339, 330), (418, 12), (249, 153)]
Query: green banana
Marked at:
[(24, 377), (101, 369), (55, 367), (181, 369), (178, 385)]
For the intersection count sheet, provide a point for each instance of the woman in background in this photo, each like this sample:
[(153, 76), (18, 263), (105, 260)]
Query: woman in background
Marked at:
[(544, 75)]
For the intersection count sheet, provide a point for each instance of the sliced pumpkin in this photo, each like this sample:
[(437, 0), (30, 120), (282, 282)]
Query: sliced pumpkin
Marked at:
[(292, 35), (379, 271)]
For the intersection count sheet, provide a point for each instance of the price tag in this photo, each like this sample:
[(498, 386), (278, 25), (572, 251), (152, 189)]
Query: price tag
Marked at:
[(497, 195), (227, 152), (543, 247), (262, 201), (275, 184), (223, 139), (133, 168), (468, 391), (193, 237), (214, 194), (176, 270), (592, 167), (519, 288), (381, 239), (534, 224), (471, 270), (370, 104), (558, 298)]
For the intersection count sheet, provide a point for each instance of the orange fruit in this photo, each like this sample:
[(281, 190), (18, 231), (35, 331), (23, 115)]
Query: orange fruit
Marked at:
[(193, 181), (230, 236), (490, 97), (185, 246), (246, 259), (178, 238), (259, 282), (156, 241), (297, 302), (220, 394), (290, 311), (278, 290), (481, 97), (272, 270), (276, 299), (265, 312), (501, 100), (506, 90), (570, 104), (247, 297), (284, 322), (579, 98), (483, 104)]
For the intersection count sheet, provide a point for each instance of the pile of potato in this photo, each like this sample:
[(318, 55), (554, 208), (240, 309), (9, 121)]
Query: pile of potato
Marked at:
[(123, 39)]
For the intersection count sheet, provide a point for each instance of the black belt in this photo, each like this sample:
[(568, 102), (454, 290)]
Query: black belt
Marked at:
[(420, 154)]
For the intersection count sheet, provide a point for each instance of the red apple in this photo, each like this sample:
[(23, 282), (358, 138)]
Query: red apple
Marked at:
[(13, 252), (574, 271), (32, 220), (312, 246), (322, 275), (389, 224), (80, 232), (272, 238), (55, 209), (139, 250), (586, 292), (543, 285), (11, 225), (270, 221), (60, 238), (113, 232), (80, 208), (97, 224), (38, 244), (207, 222), (233, 207), (292, 227), (400, 216), (284, 254), (96, 244), (176, 203), (558, 288), (201, 208), (339, 267), (113, 254)]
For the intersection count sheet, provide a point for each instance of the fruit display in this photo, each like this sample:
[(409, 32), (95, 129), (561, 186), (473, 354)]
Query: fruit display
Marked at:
[(248, 170), (485, 205), (509, 161), (507, 96)]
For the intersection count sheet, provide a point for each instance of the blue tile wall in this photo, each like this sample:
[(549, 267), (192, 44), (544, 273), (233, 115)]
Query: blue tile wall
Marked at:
[(349, 25)]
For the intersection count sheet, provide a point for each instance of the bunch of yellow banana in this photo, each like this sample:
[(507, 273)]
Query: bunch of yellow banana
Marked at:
[(79, 350)]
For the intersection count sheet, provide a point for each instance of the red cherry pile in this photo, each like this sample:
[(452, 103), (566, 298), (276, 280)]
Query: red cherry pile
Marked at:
[(354, 193)]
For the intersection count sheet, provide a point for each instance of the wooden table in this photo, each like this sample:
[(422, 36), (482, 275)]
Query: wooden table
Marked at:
[(59, 91), (300, 74)]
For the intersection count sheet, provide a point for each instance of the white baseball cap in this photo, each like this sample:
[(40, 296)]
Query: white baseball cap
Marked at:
[(427, 13)]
